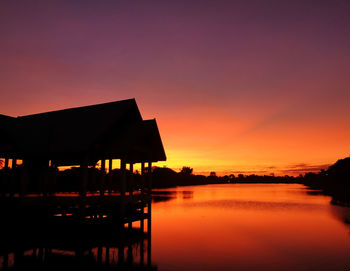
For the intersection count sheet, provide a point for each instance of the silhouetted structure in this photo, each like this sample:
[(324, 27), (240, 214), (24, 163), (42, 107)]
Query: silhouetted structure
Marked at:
[(34, 146)]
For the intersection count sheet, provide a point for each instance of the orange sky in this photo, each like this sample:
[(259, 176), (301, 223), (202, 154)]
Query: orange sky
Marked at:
[(239, 86)]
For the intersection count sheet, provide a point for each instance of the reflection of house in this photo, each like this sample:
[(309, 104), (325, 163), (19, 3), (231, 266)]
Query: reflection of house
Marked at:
[(34, 146)]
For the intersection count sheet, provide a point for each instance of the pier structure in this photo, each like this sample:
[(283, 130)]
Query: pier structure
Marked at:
[(74, 169)]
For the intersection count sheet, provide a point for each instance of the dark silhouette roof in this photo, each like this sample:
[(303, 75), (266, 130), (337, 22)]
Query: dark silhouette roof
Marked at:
[(109, 130), (6, 142)]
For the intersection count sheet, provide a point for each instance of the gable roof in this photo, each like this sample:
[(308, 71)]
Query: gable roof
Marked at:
[(68, 135)]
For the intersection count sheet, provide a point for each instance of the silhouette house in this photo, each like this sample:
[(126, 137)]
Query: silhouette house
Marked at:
[(79, 136), (34, 146)]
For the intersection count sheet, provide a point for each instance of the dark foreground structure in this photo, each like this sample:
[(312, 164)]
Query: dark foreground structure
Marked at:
[(104, 215)]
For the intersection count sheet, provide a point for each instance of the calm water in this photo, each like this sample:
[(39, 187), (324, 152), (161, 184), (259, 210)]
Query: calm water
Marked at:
[(248, 227)]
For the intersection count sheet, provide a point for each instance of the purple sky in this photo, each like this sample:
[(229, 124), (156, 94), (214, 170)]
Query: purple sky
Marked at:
[(234, 85)]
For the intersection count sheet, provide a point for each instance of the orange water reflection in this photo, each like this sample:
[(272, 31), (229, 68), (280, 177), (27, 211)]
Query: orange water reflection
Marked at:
[(248, 227)]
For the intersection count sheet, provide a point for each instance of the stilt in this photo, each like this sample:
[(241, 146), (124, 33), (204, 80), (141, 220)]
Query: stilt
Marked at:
[(142, 196), (131, 179), (103, 176), (83, 178), (110, 168), (123, 177), (149, 177), (24, 179), (6, 165)]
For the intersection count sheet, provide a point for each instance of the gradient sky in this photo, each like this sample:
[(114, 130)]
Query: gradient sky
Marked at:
[(236, 86)]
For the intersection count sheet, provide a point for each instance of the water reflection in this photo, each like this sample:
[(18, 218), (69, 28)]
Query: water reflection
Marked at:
[(160, 195), (249, 227), (83, 247), (341, 213), (215, 227)]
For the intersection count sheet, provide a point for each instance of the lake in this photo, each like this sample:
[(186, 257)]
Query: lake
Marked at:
[(248, 227)]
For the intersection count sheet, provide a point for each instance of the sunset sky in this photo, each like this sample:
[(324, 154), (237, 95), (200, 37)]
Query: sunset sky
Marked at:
[(235, 86)]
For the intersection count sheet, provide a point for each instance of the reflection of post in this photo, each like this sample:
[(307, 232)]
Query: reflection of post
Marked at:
[(129, 256), (120, 254), (107, 255), (142, 252), (99, 254), (5, 261), (149, 230)]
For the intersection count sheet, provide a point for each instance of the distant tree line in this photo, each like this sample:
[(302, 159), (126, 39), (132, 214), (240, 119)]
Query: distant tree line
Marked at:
[(166, 177), (335, 181)]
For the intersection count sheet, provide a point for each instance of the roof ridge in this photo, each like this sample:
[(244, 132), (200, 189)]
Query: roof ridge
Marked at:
[(79, 107)]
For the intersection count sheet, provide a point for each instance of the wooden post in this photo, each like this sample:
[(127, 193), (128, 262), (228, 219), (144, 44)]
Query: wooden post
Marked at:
[(131, 179), (110, 168), (6, 166), (149, 220), (83, 188), (46, 178), (53, 178), (12, 183), (14, 163), (24, 179), (122, 190), (103, 176), (123, 177), (142, 196), (83, 178), (131, 187), (142, 178), (149, 177)]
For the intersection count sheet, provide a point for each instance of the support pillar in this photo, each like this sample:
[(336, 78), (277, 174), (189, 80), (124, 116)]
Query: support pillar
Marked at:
[(6, 165), (142, 196), (131, 179), (110, 168), (53, 177), (149, 177), (14, 174), (83, 178), (24, 179), (122, 190), (123, 177), (103, 176)]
